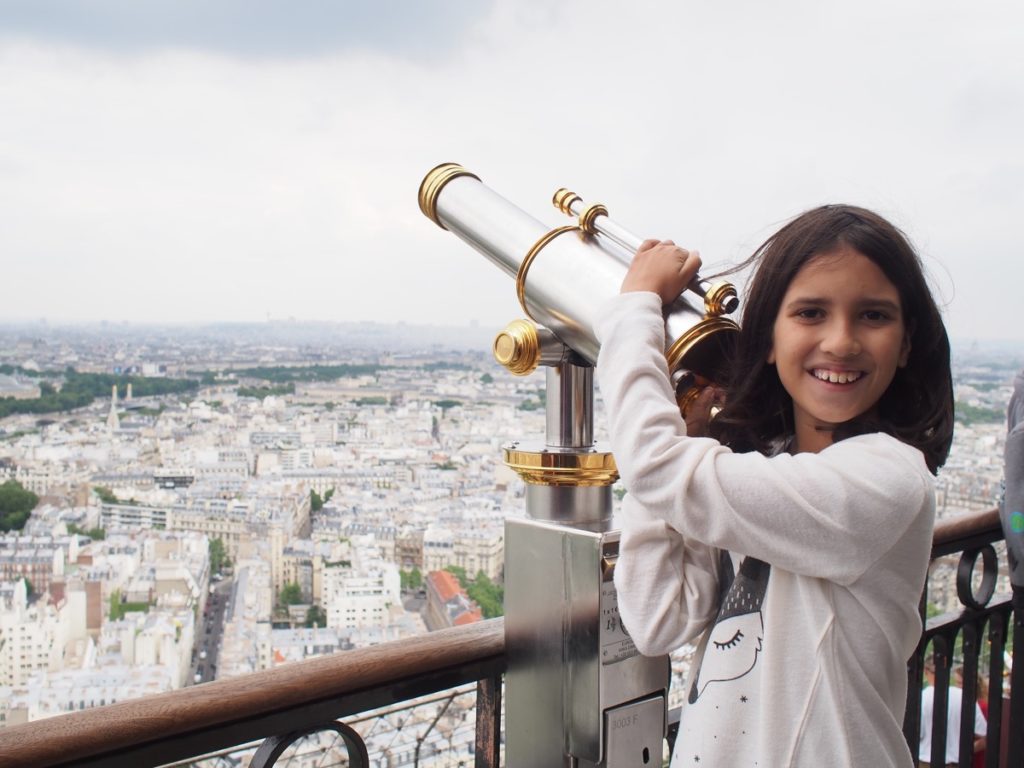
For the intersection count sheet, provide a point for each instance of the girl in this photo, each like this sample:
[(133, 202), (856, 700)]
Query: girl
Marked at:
[(794, 542)]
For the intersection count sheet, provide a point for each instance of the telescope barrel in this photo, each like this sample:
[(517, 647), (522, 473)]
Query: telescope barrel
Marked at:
[(605, 226), (563, 275)]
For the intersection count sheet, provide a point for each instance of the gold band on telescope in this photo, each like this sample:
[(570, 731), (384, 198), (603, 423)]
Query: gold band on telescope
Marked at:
[(564, 200), (524, 268), (432, 185), (553, 468), (682, 346), (716, 296), (590, 213)]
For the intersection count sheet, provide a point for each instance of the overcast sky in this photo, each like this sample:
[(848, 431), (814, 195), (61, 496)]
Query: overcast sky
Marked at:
[(193, 161)]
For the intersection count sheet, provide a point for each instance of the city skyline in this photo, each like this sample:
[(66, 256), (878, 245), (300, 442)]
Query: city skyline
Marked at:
[(183, 163)]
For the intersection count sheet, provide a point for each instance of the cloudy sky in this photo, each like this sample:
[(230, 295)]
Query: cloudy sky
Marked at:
[(238, 160)]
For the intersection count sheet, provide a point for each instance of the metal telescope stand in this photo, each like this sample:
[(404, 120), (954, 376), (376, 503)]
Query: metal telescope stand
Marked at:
[(577, 691)]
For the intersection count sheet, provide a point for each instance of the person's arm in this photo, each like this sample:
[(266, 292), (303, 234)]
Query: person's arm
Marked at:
[(667, 586), (829, 515)]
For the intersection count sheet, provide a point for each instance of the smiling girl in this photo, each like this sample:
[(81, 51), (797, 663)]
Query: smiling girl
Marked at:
[(792, 544)]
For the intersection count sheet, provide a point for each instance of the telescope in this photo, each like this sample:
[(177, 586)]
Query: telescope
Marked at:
[(564, 274), (577, 691)]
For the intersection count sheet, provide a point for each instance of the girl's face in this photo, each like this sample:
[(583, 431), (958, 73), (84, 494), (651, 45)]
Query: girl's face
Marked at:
[(838, 339)]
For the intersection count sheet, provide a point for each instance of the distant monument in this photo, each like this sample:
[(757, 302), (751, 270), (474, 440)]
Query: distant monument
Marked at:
[(112, 421), (128, 394)]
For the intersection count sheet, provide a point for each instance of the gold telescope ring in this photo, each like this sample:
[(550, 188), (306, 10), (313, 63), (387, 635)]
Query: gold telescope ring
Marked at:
[(718, 299), (564, 199), (432, 185), (590, 213), (524, 268), (580, 469), (706, 327)]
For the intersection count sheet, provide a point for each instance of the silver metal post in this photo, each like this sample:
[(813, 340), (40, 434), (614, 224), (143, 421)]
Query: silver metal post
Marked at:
[(570, 406)]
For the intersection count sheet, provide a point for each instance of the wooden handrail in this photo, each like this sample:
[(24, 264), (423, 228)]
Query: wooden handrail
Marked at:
[(966, 527), (166, 715)]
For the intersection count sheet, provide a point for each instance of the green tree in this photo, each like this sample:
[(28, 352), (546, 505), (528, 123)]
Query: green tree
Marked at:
[(488, 595), (80, 389), (106, 495), (261, 392), (973, 414), (218, 555), (315, 617), (481, 590), (119, 607), (372, 400), (460, 574), (316, 502), (96, 534), (487, 379), (411, 579), (16, 504), (291, 594), (310, 373)]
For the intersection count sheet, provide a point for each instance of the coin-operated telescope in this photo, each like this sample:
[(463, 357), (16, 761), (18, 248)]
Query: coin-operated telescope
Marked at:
[(578, 693)]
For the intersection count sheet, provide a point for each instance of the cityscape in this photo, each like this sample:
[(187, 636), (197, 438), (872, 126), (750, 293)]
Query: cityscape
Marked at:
[(187, 504)]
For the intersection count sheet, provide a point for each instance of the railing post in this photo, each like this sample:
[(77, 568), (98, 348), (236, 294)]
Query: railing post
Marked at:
[(488, 722), (1015, 748), (997, 644)]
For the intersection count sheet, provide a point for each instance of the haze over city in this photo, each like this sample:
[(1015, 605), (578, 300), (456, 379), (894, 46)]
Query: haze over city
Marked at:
[(190, 162)]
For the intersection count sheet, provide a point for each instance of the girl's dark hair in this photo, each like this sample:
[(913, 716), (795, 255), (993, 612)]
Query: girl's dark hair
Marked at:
[(917, 408)]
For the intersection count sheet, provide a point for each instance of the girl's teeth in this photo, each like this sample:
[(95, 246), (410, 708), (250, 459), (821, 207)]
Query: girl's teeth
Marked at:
[(837, 377)]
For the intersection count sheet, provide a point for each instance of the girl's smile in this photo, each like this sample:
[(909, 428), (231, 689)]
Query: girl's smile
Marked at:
[(838, 339)]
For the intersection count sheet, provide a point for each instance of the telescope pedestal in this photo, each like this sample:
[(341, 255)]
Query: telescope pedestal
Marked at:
[(577, 692)]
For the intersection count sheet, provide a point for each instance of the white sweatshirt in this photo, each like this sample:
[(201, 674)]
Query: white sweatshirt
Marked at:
[(802, 659)]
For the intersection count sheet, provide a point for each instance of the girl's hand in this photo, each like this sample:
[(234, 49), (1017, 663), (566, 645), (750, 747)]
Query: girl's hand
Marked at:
[(662, 267), (699, 414)]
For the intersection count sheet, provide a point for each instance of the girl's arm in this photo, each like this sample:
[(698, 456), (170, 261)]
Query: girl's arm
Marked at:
[(667, 586), (830, 514)]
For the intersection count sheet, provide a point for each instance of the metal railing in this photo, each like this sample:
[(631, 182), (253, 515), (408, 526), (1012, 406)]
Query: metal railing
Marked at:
[(965, 650), (276, 707), (273, 709)]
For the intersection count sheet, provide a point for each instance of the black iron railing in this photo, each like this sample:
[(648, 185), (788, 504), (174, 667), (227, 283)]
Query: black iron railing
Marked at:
[(271, 711), (963, 652)]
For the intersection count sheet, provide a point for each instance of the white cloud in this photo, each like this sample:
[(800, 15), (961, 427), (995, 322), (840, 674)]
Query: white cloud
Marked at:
[(200, 185)]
